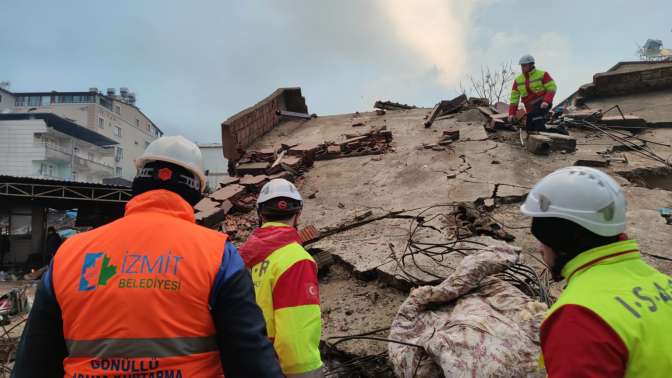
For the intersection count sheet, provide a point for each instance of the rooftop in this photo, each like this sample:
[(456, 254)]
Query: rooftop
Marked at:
[(64, 126)]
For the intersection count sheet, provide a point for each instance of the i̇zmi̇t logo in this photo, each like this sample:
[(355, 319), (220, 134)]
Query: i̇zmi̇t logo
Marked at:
[(96, 270), (138, 271)]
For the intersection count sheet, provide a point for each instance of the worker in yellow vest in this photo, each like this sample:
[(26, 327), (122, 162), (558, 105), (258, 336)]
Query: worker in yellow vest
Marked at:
[(536, 88), (614, 317), (285, 280)]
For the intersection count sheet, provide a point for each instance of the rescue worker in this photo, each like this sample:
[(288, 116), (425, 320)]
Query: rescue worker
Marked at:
[(613, 317), (537, 89), (151, 294), (285, 280)]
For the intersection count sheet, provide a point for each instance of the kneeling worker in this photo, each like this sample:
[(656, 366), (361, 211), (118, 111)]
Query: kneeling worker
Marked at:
[(150, 294), (285, 280), (613, 318)]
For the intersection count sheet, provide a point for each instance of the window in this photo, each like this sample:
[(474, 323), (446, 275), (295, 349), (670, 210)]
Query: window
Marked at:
[(137, 123), (46, 170), (118, 171), (101, 123), (34, 100), (119, 154), (117, 109), (46, 100), (17, 225), (105, 103), (117, 131)]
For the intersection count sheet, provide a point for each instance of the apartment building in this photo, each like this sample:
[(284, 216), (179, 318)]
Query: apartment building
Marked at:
[(49, 146), (112, 115)]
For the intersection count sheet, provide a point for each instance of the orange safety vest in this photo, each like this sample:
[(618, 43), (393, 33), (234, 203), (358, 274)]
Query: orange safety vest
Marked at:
[(134, 293)]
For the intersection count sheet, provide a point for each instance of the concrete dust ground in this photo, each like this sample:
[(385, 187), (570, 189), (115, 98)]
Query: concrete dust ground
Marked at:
[(477, 167)]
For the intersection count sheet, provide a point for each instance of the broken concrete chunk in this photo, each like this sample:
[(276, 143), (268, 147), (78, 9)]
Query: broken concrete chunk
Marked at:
[(629, 122), (228, 180), (597, 162), (229, 192), (205, 204), (257, 168), (584, 114), (211, 217), (253, 183), (539, 144)]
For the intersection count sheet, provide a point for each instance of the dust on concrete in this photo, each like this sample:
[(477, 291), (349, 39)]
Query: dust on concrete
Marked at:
[(477, 167)]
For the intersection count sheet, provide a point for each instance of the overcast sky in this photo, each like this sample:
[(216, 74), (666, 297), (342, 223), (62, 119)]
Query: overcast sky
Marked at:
[(194, 63)]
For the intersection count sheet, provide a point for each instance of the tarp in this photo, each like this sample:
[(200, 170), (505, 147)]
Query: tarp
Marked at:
[(470, 325)]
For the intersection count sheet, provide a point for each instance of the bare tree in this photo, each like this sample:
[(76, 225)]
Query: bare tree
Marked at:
[(492, 84)]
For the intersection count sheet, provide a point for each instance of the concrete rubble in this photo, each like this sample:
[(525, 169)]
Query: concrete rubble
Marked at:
[(408, 216)]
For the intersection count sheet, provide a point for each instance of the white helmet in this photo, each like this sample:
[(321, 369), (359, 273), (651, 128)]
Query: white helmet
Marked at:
[(278, 188), (583, 195), (526, 59), (177, 150)]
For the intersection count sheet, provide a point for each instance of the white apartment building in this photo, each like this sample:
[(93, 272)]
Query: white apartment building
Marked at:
[(214, 163), (48, 146), (113, 116)]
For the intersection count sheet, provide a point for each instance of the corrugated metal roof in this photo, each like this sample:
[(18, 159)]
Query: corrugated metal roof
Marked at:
[(64, 182)]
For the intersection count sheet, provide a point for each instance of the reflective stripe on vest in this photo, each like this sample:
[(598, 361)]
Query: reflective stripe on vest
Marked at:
[(141, 348), (632, 297), (139, 288)]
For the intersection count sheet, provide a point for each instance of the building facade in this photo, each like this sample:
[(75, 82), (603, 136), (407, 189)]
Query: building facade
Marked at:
[(112, 115), (48, 146)]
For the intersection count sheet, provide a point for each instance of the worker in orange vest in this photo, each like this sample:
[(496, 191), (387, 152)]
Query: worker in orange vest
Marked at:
[(151, 294), (285, 280)]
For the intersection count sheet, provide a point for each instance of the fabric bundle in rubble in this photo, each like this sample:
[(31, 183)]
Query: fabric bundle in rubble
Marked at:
[(473, 324)]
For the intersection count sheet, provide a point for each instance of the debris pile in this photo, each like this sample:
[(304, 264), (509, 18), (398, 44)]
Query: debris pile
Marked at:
[(471, 222), (445, 108), (389, 105), (375, 142)]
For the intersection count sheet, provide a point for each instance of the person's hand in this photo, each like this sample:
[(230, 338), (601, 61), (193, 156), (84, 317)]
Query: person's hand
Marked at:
[(544, 105)]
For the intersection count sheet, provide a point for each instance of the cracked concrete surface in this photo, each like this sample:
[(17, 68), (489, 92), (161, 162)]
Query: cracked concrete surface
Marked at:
[(478, 166)]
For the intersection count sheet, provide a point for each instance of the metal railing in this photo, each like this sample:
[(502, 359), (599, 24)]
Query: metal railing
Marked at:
[(58, 148)]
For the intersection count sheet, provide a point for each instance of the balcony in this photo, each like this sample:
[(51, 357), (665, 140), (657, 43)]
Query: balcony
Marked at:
[(58, 152)]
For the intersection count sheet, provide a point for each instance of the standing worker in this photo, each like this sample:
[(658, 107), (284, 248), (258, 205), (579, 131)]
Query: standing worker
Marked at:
[(285, 280), (613, 318), (537, 89), (150, 294)]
